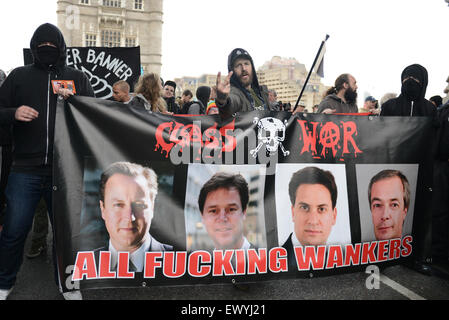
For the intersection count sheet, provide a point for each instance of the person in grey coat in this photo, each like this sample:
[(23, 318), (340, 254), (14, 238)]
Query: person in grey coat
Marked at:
[(342, 97)]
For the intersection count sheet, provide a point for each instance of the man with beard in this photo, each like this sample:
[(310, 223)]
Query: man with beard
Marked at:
[(342, 97), (240, 91)]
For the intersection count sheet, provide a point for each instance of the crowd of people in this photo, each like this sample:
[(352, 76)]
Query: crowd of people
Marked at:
[(27, 121), (155, 95)]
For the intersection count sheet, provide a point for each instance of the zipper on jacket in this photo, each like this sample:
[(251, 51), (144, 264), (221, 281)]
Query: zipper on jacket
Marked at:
[(48, 118), (411, 110)]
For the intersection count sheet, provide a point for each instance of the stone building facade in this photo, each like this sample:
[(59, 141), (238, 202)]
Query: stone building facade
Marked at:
[(115, 23), (287, 77)]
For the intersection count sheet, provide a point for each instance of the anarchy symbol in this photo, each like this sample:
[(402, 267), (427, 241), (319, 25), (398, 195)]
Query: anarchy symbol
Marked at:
[(329, 137)]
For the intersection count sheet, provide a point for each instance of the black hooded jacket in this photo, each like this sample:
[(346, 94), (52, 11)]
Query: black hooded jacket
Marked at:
[(405, 105), (31, 86)]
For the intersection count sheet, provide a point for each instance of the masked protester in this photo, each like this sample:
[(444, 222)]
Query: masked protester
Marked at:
[(28, 102), (411, 102)]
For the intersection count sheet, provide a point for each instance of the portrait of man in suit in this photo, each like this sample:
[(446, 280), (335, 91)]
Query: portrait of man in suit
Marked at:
[(313, 196), (389, 200), (127, 195), (223, 202)]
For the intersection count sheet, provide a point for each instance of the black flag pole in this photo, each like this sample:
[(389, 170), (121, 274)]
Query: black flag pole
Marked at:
[(310, 71)]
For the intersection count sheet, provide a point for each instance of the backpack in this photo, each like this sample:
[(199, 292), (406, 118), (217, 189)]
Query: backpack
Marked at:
[(186, 106)]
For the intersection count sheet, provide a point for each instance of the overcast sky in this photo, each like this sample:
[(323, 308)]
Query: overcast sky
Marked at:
[(373, 40)]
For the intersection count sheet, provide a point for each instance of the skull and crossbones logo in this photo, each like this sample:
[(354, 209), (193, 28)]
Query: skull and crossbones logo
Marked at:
[(271, 133)]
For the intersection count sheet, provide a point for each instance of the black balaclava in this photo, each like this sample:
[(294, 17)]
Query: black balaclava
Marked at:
[(411, 89), (47, 56)]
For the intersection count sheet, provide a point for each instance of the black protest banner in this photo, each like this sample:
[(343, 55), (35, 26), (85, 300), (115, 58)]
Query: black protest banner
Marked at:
[(103, 66), (313, 199)]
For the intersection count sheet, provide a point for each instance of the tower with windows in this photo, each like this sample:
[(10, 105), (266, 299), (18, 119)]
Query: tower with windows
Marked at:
[(115, 23)]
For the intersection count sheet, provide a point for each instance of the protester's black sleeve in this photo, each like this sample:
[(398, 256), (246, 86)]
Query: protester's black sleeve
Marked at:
[(233, 105), (86, 87), (387, 108)]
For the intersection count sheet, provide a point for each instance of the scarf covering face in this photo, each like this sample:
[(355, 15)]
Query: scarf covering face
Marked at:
[(48, 55)]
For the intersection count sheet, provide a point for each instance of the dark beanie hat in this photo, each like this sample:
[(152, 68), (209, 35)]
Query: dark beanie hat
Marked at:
[(237, 53), (437, 99), (242, 53), (170, 83)]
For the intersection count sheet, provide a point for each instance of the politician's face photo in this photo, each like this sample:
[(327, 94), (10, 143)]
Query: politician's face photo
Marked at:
[(388, 208), (312, 204), (224, 207), (127, 211), (386, 194), (313, 214), (224, 217)]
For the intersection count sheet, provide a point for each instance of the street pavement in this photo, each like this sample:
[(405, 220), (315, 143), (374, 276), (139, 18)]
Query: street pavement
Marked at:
[(35, 281)]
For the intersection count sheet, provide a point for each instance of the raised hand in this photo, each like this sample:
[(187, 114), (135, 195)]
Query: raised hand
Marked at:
[(223, 88)]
